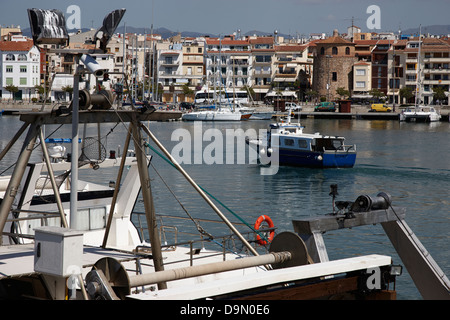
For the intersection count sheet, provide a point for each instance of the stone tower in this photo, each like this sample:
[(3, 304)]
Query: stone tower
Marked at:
[(333, 66)]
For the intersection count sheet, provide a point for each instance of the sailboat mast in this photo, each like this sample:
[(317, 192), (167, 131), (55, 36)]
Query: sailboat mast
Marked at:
[(418, 69)]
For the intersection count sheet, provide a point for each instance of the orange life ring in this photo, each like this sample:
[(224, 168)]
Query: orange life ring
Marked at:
[(271, 225)]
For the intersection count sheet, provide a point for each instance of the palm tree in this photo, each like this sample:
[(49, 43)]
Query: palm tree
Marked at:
[(12, 89)]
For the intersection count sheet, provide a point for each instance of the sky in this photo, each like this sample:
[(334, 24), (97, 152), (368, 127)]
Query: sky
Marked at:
[(223, 17)]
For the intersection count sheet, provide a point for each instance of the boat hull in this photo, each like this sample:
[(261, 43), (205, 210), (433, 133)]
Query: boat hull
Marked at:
[(212, 116), (420, 118), (317, 159), (309, 159), (262, 115), (421, 114)]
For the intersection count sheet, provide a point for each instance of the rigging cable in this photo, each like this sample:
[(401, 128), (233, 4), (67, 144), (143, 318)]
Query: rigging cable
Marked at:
[(222, 204)]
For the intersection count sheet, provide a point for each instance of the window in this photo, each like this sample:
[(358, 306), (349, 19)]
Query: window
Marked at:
[(334, 76), (21, 57), (23, 69), (322, 51), (360, 84), (9, 68), (10, 57), (302, 143), (23, 81), (263, 58), (347, 51), (199, 50), (334, 50), (289, 142), (9, 81), (92, 219), (360, 72)]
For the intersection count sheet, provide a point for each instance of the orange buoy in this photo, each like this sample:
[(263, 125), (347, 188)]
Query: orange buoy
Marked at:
[(271, 225)]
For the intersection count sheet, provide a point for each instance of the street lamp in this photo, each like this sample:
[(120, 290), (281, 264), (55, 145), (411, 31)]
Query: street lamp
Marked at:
[(328, 72), (49, 27)]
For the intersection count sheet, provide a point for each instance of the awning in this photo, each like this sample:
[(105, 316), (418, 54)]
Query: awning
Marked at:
[(279, 79), (282, 93)]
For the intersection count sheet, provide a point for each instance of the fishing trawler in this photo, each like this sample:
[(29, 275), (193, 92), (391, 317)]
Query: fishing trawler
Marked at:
[(293, 147)]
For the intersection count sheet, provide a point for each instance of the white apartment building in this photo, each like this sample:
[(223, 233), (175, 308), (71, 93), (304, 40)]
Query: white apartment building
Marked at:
[(290, 63), (228, 63), (19, 66), (362, 80), (432, 67), (169, 64), (193, 66), (263, 53)]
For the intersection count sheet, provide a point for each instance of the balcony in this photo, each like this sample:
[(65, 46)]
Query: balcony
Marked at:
[(443, 59), (436, 82), (437, 71), (168, 63), (262, 73)]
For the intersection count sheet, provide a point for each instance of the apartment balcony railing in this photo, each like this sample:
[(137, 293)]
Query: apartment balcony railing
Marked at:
[(169, 63), (262, 73), (437, 70), (410, 71), (166, 74), (437, 82), (443, 59)]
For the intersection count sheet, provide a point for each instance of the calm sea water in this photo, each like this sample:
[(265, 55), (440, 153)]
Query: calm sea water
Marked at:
[(407, 160)]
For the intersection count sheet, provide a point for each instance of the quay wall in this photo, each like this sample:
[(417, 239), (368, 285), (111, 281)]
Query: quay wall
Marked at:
[(358, 112)]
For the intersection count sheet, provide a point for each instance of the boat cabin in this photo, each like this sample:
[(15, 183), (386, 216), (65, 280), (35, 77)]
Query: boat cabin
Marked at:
[(291, 136)]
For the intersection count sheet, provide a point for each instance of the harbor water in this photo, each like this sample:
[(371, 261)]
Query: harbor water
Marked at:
[(409, 161)]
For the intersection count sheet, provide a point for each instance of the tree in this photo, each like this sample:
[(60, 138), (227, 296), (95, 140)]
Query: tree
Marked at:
[(186, 90), (342, 92), (376, 94), (312, 95), (69, 90), (406, 93), (249, 91), (12, 89), (40, 91), (438, 94)]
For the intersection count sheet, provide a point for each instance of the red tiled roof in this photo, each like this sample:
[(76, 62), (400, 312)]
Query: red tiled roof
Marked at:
[(290, 48), (16, 45), (262, 40), (227, 42), (334, 40)]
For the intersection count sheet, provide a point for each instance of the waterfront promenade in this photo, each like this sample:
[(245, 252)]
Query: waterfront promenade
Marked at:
[(358, 112)]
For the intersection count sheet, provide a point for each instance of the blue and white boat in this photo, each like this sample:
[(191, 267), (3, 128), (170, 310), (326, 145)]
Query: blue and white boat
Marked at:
[(286, 142)]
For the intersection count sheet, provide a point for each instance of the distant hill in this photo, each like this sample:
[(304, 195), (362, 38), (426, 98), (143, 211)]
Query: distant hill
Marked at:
[(166, 33), (441, 30)]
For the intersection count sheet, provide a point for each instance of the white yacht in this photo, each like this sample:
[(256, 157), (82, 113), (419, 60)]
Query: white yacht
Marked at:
[(420, 114), (227, 112)]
